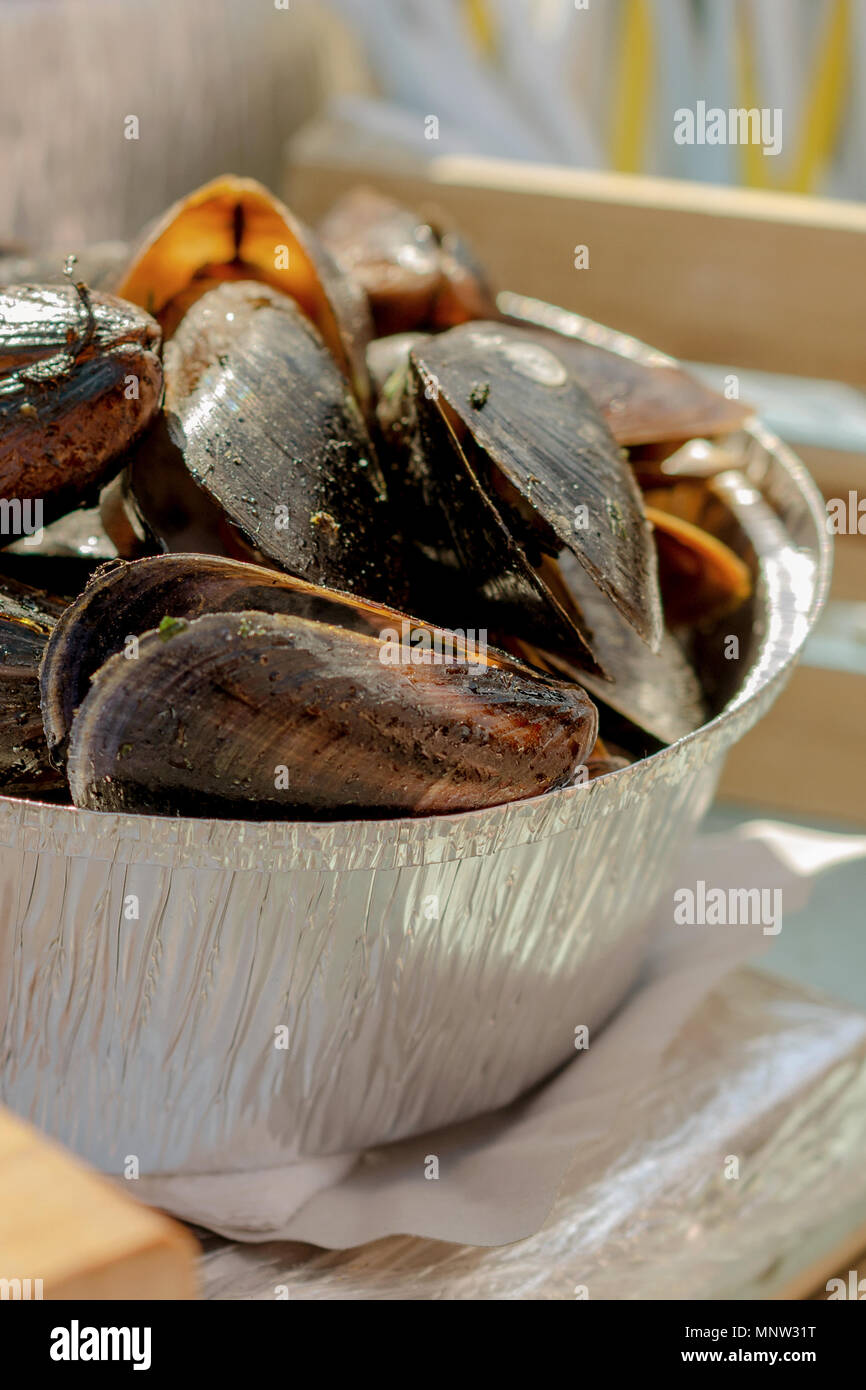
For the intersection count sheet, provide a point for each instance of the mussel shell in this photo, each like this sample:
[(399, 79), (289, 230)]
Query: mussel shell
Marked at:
[(235, 225), (644, 396), (125, 600), (388, 364), (41, 321), (466, 567), (415, 273), (665, 463), (26, 618), (546, 452), (657, 692), (701, 578), (155, 504), (211, 720), (265, 422), (78, 430), (74, 393), (391, 254)]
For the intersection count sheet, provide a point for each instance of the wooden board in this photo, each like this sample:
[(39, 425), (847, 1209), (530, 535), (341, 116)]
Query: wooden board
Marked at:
[(63, 1225), (808, 754), (767, 280)]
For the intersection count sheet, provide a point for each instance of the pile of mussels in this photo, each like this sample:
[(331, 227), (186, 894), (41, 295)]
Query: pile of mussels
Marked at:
[(379, 543)]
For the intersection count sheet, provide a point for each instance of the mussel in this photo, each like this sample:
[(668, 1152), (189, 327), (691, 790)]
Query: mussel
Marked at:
[(464, 292), (512, 463), (124, 600), (264, 714), (265, 426), (235, 229), (415, 273), (80, 379), (392, 255)]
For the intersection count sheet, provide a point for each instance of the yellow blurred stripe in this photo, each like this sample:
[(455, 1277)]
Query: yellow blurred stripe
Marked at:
[(823, 109), (632, 87), (752, 160), (481, 26)]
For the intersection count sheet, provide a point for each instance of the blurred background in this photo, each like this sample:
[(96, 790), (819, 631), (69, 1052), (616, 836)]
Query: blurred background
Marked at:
[(594, 84)]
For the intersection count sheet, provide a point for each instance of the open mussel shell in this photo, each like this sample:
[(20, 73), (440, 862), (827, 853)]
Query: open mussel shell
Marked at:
[(123, 600), (645, 396), (27, 617), (264, 715), (266, 426), (701, 578), (80, 378), (543, 452), (466, 567), (235, 228)]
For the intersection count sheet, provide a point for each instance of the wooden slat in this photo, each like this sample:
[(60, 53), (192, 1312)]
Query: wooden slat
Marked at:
[(766, 280), (807, 755), (63, 1224)]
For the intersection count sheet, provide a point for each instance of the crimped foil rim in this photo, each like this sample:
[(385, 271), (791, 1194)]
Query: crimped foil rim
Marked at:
[(340, 846)]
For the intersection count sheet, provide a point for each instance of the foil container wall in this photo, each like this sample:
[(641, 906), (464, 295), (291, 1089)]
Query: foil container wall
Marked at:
[(215, 995)]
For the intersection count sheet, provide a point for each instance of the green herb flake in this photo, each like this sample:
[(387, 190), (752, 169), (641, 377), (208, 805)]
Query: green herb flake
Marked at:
[(170, 627)]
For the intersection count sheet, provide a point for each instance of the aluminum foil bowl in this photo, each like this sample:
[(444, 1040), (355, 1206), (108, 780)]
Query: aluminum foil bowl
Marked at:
[(215, 996)]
